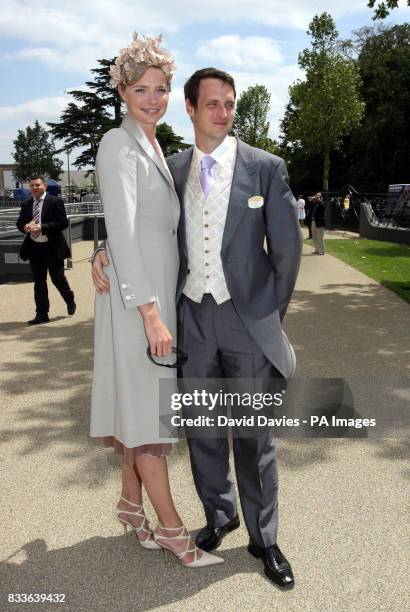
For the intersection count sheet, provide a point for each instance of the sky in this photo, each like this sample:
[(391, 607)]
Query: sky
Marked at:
[(49, 47)]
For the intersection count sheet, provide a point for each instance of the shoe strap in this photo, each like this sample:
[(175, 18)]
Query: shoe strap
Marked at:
[(140, 512), (184, 535), (131, 503)]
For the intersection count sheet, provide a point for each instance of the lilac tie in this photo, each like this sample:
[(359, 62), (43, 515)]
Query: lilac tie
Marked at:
[(205, 177)]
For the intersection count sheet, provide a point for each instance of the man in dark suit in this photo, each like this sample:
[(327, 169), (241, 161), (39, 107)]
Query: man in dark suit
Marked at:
[(43, 219), (232, 296)]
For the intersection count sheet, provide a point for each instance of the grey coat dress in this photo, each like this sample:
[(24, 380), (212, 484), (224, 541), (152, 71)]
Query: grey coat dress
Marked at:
[(141, 214)]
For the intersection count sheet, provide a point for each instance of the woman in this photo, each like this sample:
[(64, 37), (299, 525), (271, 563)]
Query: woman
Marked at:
[(141, 215), (301, 210)]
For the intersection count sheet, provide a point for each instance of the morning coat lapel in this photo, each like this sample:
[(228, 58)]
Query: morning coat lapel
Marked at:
[(132, 127), (243, 187), (180, 165)]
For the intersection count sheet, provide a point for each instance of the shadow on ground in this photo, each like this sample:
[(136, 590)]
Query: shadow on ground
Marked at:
[(133, 578), (59, 358)]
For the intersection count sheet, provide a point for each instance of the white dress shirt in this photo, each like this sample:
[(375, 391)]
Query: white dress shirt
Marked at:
[(40, 237)]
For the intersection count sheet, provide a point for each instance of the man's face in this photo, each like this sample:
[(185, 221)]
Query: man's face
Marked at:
[(37, 188), (213, 115)]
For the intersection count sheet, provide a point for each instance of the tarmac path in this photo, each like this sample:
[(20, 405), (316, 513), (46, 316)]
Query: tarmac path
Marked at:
[(343, 502)]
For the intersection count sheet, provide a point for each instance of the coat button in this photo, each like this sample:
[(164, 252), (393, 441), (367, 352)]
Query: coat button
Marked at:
[(128, 298), (172, 232), (123, 286)]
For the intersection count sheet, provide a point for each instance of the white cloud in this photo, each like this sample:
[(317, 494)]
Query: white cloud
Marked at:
[(79, 33), (107, 23), (70, 37), (248, 52), (43, 109)]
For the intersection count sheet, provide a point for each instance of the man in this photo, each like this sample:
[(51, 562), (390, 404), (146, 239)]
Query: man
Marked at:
[(43, 219), (318, 224), (231, 297), (308, 215)]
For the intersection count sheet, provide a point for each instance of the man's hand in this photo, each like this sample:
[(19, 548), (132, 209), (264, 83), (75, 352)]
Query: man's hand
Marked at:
[(101, 282), (35, 229)]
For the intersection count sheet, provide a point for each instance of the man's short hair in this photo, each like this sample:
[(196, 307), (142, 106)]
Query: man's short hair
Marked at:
[(38, 177), (191, 87)]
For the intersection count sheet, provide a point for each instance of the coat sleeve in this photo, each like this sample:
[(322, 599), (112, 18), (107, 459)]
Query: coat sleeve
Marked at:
[(116, 173), (24, 216), (284, 237)]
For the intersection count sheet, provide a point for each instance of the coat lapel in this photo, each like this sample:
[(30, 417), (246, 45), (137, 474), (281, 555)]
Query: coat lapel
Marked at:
[(46, 204), (180, 165), (243, 187), (132, 127)]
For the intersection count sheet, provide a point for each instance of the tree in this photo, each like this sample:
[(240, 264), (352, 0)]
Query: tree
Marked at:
[(102, 89), (96, 110), (83, 126), (326, 106), (383, 8), (380, 147), (35, 154), (250, 123), (169, 142)]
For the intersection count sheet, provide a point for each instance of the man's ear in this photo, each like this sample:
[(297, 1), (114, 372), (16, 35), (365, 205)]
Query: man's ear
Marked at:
[(189, 108)]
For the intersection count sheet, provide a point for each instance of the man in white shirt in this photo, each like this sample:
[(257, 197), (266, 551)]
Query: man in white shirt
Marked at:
[(43, 219)]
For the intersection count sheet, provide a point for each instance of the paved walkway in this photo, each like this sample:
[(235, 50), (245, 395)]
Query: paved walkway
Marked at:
[(343, 503)]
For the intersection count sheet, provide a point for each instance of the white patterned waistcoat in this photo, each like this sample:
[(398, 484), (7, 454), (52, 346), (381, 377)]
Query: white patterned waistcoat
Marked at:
[(205, 223)]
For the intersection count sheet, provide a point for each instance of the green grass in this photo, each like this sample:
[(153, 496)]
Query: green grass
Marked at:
[(385, 262)]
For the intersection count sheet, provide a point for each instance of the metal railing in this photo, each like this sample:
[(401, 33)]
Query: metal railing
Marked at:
[(71, 217), (76, 210)]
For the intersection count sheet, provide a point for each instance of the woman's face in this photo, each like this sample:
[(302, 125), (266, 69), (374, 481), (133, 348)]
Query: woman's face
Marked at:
[(147, 99)]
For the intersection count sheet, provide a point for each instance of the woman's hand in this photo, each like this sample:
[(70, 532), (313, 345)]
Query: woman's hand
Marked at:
[(159, 337), (101, 282)]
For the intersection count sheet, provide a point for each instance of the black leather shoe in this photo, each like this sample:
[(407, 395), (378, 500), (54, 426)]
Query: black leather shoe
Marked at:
[(277, 567), (39, 319), (210, 537), (71, 308)]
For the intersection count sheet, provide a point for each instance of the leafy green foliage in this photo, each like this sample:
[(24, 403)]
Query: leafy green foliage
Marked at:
[(383, 8), (35, 154), (169, 142), (326, 106), (250, 123), (84, 122), (380, 147), (83, 125)]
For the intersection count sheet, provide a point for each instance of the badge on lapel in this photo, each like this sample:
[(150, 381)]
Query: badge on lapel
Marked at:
[(255, 202)]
